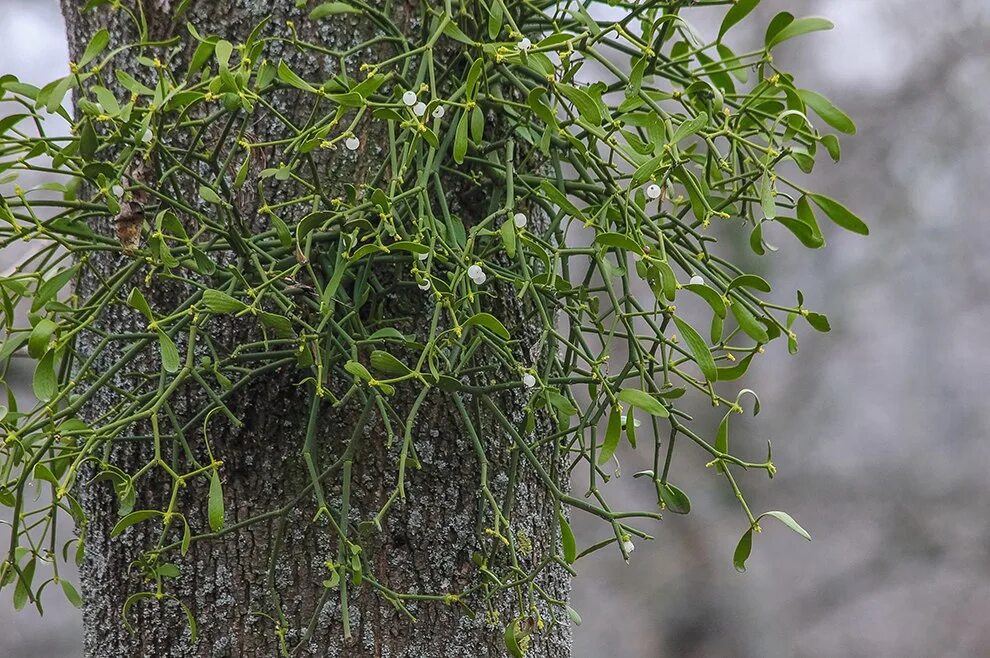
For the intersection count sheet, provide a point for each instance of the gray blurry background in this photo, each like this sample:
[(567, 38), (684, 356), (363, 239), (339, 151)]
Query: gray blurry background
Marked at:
[(879, 428)]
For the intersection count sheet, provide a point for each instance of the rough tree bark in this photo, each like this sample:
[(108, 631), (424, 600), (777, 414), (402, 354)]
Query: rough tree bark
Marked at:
[(232, 583)]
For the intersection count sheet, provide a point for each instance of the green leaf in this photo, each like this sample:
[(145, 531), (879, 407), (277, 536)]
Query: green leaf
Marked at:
[(560, 403), (735, 372), (128, 82), (331, 9), (107, 99), (133, 518), (10, 121), (841, 215), (208, 195), (186, 537), (495, 18), (358, 370), (289, 77), (96, 46), (223, 49), (45, 384), (631, 428), (797, 27), (768, 196), (722, 436), (818, 322), (170, 353), (806, 214), (455, 33), (613, 432), (802, 231), (474, 73), (168, 570), (461, 139), (51, 287), (748, 281), (642, 400), (70, 593), (477, 125), (668, 280), (129, 603), (193, 629), (736, 13), (558, 198), (716, 333), (743, 549), (42, 472), (508, 234), (488, 321), (829, 113), (567, 542), (136, 300), (710, 295), (789, 521), (23, 588), (778, 23), (220, 302), (315, 220), (619, 241), (41, 338), (831, 143), (510, 635), (749, 324), (585, 104), (689, 127), (675, 499), (280, 324), (647, 169), (215, 503), (385, 362), (702, 355)]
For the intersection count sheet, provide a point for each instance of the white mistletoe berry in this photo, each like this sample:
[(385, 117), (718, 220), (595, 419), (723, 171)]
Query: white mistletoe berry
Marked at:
[(438, 112), (423, 256), (409, 98), (524, 44), (653, 191), (528, 380), (419, 109), (424, 284), (480, 279), (146, 137), (622, 420), (697, 280), (352, 143), (475, 271), (519, 219), (628, 546), (117, 191)]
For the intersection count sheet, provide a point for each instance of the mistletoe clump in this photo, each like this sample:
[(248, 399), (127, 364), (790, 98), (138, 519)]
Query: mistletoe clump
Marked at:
[(545, 231)]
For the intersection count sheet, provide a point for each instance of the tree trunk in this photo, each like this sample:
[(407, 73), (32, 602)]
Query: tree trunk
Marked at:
[(258, 589)]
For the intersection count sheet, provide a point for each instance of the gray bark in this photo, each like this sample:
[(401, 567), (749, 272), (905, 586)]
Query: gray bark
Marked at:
[(276, 567)]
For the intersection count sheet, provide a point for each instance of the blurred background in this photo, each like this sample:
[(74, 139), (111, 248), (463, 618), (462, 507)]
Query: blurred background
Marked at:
[(879, 428)]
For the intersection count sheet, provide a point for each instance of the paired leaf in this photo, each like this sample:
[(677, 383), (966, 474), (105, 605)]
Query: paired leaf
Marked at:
[(490, 322), (797, 27), (215, 508), (567, 542), (699, 348), (644, 401), (736, 13), (829, 113), (841, 215)]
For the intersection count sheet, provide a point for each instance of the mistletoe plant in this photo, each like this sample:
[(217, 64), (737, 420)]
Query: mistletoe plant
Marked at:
[(549, 312)]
